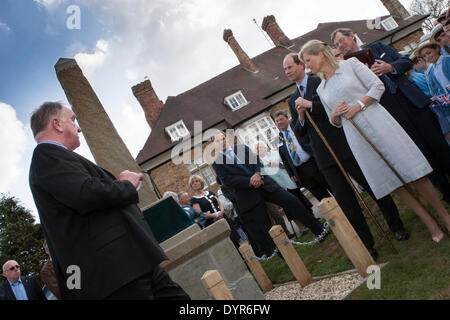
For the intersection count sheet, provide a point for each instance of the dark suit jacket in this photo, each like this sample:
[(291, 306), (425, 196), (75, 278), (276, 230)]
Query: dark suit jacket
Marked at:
[(233, 176), (401, 80), (334, 136), (32, 288), (90, 220)]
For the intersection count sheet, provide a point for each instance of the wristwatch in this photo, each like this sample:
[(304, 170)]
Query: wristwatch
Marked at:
[(363, 106)]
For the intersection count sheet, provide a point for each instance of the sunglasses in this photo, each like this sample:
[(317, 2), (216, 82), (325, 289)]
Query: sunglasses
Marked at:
[(14, 267)]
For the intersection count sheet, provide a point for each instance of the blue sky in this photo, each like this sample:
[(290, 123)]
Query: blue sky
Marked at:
[(177, 44)]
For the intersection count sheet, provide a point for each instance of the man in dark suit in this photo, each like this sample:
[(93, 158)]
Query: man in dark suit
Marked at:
[(239, 168), (100, 244), (343, 193), (16, 287), (407, 104), (300, 164)]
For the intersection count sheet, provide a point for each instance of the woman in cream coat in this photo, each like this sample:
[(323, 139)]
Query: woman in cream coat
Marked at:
[(350, 90)]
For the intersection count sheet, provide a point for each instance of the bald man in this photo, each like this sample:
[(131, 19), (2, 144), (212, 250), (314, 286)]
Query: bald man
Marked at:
[(16, 287)]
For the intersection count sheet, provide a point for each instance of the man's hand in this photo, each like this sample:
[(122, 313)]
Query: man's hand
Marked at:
[(133, 177), (301, 103), (380, 67), (256, 180)]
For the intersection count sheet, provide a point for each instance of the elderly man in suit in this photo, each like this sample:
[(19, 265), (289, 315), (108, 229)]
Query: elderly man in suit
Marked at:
[(310, 102), (91, 219), (17, 287), (239, 168), (407, 104)]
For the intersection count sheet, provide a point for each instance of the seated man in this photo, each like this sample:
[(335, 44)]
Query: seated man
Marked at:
[(185, 203), (239, 168)]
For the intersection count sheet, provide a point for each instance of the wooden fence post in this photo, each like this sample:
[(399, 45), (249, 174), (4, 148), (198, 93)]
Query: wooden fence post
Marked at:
[(291, 256), (346, 235), (216, 287), (255, 267)]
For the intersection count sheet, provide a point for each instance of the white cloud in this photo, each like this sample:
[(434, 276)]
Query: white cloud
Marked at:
[(17, 148), (48, 4), (4, 26), (14, 140), (90, 62)]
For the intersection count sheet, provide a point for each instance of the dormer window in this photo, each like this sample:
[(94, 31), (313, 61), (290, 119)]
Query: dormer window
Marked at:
[(236, 101), (389, 24), (177, 131)]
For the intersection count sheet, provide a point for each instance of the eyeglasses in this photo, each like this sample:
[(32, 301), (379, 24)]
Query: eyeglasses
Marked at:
[(14, 267)]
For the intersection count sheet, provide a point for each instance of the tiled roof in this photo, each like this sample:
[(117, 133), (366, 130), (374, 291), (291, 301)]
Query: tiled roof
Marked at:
[(205, 101)]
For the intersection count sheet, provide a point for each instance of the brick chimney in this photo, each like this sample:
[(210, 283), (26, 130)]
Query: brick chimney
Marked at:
[(396, 9), (149, 101), (243, 58), (277, 35)]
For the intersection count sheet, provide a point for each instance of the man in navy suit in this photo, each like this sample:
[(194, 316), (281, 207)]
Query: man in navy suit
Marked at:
[(239, 168), (407, 104), (17, 287)]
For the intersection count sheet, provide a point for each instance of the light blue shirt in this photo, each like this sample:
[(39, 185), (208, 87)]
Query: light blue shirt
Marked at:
[(439, 73), (55, 143), (304, 156), (18, 289), (303, 83)]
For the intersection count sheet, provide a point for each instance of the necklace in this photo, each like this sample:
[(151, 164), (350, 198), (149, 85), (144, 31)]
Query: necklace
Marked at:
[(291, 145)]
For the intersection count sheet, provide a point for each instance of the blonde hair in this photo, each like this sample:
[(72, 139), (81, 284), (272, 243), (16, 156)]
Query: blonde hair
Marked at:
[(314, 47), (199, 178)]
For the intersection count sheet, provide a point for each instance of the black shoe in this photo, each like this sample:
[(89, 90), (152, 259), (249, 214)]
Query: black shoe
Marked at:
[(401, 235), (373, 253), (302, 233), (292, 235)]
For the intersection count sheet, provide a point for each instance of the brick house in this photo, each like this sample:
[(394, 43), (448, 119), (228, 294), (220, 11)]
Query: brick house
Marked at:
[(244, 97)]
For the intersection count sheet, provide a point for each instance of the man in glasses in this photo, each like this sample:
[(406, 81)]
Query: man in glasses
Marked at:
[(17, 287)]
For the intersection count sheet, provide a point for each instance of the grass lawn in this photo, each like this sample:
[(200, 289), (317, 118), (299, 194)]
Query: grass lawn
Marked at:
[(421, 269)]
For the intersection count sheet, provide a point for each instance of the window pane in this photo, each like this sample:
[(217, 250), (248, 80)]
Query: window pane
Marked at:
[(208, 175), (240, 99)]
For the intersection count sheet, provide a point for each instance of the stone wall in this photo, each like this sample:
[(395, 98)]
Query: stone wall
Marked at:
[(209, 249)]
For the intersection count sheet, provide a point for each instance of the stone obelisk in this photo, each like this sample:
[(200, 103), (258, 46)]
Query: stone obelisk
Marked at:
[(107, 147)]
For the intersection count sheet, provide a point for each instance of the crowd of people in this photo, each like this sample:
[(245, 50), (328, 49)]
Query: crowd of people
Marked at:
[(386, 121)]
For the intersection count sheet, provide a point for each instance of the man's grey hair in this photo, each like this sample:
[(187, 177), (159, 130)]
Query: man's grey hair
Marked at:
[(4, 265), (344, 31), (42, 115), (171, 194), (282, 112), (181, 194)]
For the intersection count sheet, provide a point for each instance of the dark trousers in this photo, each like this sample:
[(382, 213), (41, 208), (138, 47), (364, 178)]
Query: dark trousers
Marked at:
[(258, 224), (155, 285), (349, 204), (423, 128), (312, 179)]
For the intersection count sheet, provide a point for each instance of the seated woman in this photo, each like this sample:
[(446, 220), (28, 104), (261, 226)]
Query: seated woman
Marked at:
[(205, 201), (438, 79), (273, 166), (351, 91)]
